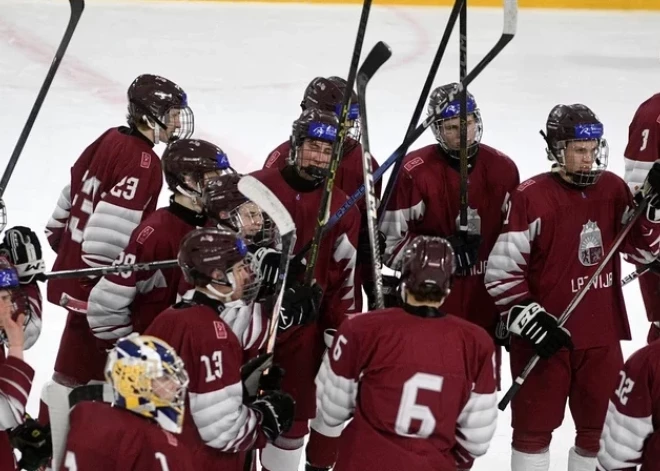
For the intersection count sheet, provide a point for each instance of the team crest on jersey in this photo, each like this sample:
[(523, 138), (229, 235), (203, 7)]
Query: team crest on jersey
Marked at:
[(144, 234), (272, 158), (220, 330), (416, 162), (171, 439), (145, 161), (474, 221), (591, 244)]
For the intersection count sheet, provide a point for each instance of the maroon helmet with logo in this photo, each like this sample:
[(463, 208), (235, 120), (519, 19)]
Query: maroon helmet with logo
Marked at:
[(315, 125), (327, 94), (155, 100), (213, 256), (428, 268), (193, 158)]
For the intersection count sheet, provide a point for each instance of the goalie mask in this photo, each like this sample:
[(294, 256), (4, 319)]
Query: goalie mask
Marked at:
[(218, 259), (161, 105), (574, 136), (427, 269), (12, 297), (148, 378), (226, 206), (312, 139), (188, 163), (445, 102)]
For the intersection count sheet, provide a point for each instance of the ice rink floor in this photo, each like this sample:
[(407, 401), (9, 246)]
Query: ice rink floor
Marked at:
[(245, 67)]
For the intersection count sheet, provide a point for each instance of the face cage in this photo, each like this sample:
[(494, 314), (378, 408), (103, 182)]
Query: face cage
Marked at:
[(256, 227), (436, 128), (317, 173), (179, 378), (3, 215), (186, 122), (250, 287), (599, 165), (19, 298)]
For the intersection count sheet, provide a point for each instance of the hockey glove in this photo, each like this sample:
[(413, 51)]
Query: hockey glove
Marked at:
[(33, 440), (251, 373), (466, 251), (272, 379), (266, 262), (277, 410), (300, 305), (22, 246), (651, 190), (364, 245), (391, 294), (531, 322)]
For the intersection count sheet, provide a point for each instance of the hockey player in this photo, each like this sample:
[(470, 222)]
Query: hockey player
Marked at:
[(642, 150), (426, 201), (630, 436), (15, 375), (114, 185), (409, 410), (209, 332), (300, 186), (137, 432), (327, 94), (127, 302), (558, 228)]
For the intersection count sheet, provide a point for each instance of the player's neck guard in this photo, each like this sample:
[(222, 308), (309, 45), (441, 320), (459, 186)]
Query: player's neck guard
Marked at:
[(135, 132), (423, 311), (205, 300), (190, 217), (455, 162), (298, 183)]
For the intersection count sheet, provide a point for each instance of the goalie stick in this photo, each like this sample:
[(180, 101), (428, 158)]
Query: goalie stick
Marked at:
[(338, 146), (518, 382), (380, 54), (510, 21), (77, 7)]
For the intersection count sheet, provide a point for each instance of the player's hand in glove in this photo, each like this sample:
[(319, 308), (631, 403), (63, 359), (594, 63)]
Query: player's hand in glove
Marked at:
[(266, 262), (530, 321), (300, 305), (391, 294), (22, 247), (277, 410), (651, 191), (33, 440), (272, 379), (364, 245), (466, 251), (251, 373)]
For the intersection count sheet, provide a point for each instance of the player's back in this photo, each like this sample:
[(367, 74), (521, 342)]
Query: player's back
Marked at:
[(417, 377), (121, 169), (643, 142), (104, 438)]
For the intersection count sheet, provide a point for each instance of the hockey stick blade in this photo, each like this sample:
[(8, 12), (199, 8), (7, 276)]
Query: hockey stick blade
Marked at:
[(378, 55), (77, 7), (256, 191)]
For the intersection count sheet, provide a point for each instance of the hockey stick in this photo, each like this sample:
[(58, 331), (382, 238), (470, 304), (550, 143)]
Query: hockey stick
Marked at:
[(260, 194), (102, 271), (630, 277), (518, 382), (338, 146), (77, 7), (417, 113), (510, 20), (382, 53), (463, 157)]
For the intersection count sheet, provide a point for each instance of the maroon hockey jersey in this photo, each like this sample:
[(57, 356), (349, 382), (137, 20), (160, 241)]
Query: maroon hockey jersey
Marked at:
[(114, 184), (335, 268), (631, 435), (105, 438), (553, 240), (421, 392), (128, 302), (217, 425), (642, 151), (426, 201), (15, 384)]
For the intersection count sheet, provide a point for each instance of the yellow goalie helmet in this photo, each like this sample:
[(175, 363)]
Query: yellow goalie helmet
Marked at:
[(149, 379)]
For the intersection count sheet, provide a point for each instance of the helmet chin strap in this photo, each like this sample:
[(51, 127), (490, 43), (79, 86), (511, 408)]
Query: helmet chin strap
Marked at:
[(193, 195), (224, 298)]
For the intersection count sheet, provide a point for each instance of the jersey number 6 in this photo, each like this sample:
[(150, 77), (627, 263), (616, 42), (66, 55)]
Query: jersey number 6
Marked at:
[(409, 410)]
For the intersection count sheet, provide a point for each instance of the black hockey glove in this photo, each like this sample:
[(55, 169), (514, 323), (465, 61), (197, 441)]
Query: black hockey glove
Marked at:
[(266, 262), (300, 305), (651, 190), (271, 380), (466, 251), (277, 410), (391, 294), (531, 322), (251, 373), (33, 440), (364, 245), (22, 247)]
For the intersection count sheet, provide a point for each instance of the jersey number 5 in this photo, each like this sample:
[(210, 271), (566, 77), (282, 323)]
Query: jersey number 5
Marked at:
[(409, 410)]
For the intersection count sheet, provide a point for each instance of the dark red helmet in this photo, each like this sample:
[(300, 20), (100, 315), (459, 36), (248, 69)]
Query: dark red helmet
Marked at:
[(156, 100), (225, 205), (428, 267), (576, 122), (214, 256), (192, 158), (327, 94)]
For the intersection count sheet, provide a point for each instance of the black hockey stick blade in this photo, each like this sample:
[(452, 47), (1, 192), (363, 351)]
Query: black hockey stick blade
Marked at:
[(77, 7), (378, 55)]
